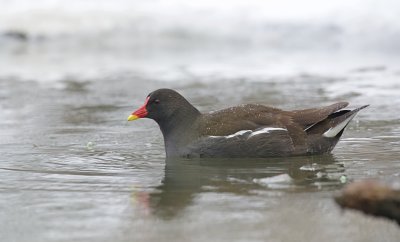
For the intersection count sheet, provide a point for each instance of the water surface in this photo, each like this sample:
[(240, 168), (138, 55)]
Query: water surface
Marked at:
[(73, 169)]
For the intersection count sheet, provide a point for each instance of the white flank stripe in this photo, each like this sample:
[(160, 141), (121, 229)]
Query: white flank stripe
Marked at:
[(265, 130), (241, 132), (252, 133), (332, 132)]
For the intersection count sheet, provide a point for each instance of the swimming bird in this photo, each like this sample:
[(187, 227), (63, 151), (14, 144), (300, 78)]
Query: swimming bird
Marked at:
[(250, 130)]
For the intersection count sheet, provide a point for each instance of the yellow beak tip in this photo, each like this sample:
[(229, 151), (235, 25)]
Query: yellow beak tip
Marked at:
[(132, 117)]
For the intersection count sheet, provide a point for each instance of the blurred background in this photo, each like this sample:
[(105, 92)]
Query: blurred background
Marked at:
[(51, 39), (71, 72)]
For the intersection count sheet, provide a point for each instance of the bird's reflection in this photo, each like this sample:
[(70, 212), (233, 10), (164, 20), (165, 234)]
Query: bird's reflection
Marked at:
[(185, 179)]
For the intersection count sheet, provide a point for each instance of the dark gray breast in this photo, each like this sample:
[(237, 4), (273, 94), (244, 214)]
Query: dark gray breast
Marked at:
[(263, 142)]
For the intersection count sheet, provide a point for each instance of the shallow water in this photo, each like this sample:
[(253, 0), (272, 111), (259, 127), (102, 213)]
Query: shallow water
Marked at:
[(73, 169)]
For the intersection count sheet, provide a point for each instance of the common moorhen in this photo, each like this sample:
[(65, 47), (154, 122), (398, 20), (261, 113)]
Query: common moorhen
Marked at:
[(250, 130)]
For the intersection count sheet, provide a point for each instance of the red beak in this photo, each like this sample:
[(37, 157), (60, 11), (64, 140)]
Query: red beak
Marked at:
[(140, 113)]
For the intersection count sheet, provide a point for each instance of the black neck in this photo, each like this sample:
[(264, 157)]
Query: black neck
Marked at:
[(179, 121), (179, 128)]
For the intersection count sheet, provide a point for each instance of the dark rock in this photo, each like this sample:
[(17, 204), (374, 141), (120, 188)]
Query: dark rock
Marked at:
[(17, 35), (372, 198)]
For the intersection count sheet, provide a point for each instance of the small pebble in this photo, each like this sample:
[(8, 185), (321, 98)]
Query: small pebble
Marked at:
[(343, 179), (90, 145)]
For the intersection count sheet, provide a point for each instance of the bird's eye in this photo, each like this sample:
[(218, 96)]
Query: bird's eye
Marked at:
[(156, 101)]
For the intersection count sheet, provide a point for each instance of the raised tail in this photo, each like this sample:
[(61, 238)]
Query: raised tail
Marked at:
[(334, 124), (324, 135)]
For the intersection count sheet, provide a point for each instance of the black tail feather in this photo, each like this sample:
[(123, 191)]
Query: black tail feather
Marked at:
[(327, 126)]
